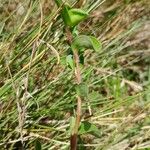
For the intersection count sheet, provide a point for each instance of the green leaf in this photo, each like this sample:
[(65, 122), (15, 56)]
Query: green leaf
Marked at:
[(72, 16), (76, 16), (65, 15), (84, 41), (75, 31), (87, 127), (38, 145), (96, 44), (70, 62)]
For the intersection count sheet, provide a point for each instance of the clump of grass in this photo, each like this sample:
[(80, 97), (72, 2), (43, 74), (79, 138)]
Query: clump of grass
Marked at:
[(37, 95)]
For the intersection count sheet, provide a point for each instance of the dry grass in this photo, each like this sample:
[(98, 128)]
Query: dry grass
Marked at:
[(37, 97)]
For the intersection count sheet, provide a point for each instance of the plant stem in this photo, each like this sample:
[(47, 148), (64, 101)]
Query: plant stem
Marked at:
[(77, 69), (74, 135)]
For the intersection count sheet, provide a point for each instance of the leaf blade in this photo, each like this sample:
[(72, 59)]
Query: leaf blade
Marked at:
[(97, 46), (84, 41)]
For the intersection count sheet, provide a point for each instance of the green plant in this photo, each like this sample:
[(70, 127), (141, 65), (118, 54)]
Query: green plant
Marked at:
[(78, 44), (37, 74)]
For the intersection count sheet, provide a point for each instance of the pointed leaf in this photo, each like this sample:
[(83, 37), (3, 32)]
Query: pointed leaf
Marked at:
[(76, 16), (95, 43), (83, 41), (75, 31), (72, 16)]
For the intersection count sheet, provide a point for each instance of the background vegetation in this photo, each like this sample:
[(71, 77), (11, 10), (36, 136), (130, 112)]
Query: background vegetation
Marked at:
[(37, 93)]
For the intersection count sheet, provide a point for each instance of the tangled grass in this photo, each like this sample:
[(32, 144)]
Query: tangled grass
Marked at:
[(37, 97)]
